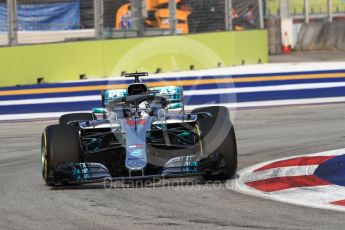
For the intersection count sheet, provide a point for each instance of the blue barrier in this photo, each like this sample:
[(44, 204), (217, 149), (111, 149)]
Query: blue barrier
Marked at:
[(250, 90)]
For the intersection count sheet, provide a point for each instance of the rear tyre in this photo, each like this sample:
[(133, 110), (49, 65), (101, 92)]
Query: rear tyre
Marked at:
[(60, 144), (219, 140), (64, 119)]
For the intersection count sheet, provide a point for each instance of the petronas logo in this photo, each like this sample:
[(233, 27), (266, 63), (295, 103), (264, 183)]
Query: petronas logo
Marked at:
[(136, 153)]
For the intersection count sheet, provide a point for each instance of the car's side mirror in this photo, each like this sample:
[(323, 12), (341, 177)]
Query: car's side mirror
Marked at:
[(204, 115)]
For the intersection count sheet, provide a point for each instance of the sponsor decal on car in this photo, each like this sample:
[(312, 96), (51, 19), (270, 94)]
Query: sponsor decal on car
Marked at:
[(138, 122), (136, 152), (136, 146), (168, 90)]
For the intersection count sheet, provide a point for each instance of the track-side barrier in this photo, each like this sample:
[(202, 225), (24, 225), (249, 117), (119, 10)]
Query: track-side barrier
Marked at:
[(237, 87)]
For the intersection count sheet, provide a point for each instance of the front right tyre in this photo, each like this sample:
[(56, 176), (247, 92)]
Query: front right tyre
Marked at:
[(60, 144)]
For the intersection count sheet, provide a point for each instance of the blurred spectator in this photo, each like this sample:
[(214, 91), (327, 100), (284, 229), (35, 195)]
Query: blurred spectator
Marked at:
[(234, 13), (206, 16), (237, 22), (126, 19), (249, 16)]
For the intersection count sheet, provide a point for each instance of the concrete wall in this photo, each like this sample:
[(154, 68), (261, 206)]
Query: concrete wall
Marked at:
[(67, 61), (322, 36)]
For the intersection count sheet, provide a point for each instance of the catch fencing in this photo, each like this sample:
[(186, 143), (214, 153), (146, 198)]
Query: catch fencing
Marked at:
[(306, 10), (46, 21)]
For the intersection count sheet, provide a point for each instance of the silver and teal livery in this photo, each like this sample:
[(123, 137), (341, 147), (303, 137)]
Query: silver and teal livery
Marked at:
[(140, 133)]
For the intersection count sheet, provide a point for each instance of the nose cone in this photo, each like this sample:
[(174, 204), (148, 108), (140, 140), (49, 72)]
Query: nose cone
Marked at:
[(136, 132), (136, 157)]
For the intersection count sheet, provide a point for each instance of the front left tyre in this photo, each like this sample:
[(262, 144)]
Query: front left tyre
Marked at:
[(60, 144), (218, 140)]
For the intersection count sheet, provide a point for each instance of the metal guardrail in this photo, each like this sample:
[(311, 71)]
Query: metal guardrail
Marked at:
[(305, 9)]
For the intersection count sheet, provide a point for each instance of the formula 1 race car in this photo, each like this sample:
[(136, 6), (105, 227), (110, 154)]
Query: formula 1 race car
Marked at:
[(140, 133)]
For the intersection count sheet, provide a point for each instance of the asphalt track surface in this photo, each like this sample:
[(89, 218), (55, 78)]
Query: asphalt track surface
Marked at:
[(263, 134)]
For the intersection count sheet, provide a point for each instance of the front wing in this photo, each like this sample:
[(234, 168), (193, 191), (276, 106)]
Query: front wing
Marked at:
[(84, 173)]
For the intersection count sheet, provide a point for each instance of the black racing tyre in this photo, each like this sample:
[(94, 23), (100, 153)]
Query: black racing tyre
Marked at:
[(219, 139), (60, 144), (64, 119)]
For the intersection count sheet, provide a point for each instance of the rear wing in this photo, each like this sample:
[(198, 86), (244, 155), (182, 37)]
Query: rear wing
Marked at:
[(174, 94)]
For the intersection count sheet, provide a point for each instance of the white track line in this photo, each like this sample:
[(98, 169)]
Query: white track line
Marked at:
[(50, 100), (257, 104), (268, 69), (280, 172), (187, 93), (325, 194), (28, 116), (264, 88)]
